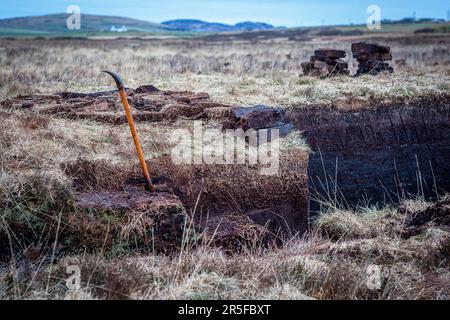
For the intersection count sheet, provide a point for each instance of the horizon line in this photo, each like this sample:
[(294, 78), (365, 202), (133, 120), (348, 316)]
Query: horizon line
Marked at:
[(254, 21)]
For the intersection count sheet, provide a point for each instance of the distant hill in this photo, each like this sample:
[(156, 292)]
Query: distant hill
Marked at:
[(248, 25), (197, 25), (55, 25), (203, 26), (89, 23)]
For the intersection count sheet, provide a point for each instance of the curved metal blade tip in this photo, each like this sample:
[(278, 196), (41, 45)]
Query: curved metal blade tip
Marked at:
[(117, 79)]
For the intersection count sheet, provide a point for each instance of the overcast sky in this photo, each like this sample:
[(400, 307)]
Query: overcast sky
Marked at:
[(278, 12)]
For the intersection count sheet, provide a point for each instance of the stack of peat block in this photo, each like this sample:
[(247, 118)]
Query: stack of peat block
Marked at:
[(326, 62), (371, 58)]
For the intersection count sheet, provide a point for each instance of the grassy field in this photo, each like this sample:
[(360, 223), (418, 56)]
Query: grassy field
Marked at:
[(330, 261), (237, 72)]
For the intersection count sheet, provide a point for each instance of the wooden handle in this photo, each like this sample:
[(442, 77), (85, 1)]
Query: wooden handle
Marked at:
[(123, 97)]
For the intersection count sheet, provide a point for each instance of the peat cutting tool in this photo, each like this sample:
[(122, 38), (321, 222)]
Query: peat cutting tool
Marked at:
[(123, 98)]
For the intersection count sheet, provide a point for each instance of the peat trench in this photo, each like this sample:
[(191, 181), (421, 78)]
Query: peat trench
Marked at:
[(375, 155)]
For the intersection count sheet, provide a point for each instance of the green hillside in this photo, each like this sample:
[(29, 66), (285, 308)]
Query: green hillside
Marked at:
[(56, 23)]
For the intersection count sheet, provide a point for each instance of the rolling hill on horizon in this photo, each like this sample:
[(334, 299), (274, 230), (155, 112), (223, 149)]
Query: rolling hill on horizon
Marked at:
[(56, 23), (203, 26), (89, 23)]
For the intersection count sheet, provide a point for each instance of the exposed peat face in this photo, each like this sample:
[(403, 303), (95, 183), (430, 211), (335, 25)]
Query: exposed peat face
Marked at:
[(379, 155)]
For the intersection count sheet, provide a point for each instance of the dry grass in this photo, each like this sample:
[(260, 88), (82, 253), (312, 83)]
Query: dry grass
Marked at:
[(313, 267), (242, 72), (36, 195), (340, 224)]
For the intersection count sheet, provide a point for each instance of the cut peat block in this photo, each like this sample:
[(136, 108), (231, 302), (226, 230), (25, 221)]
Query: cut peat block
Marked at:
[(258, 117), (326, 62), (329, 53), (371, 58)]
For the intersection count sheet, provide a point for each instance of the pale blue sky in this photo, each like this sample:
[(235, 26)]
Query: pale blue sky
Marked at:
[(278, 12)]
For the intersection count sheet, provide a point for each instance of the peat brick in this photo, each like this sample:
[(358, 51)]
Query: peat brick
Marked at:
[(371, 57), (329, 54), (326, 62)]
